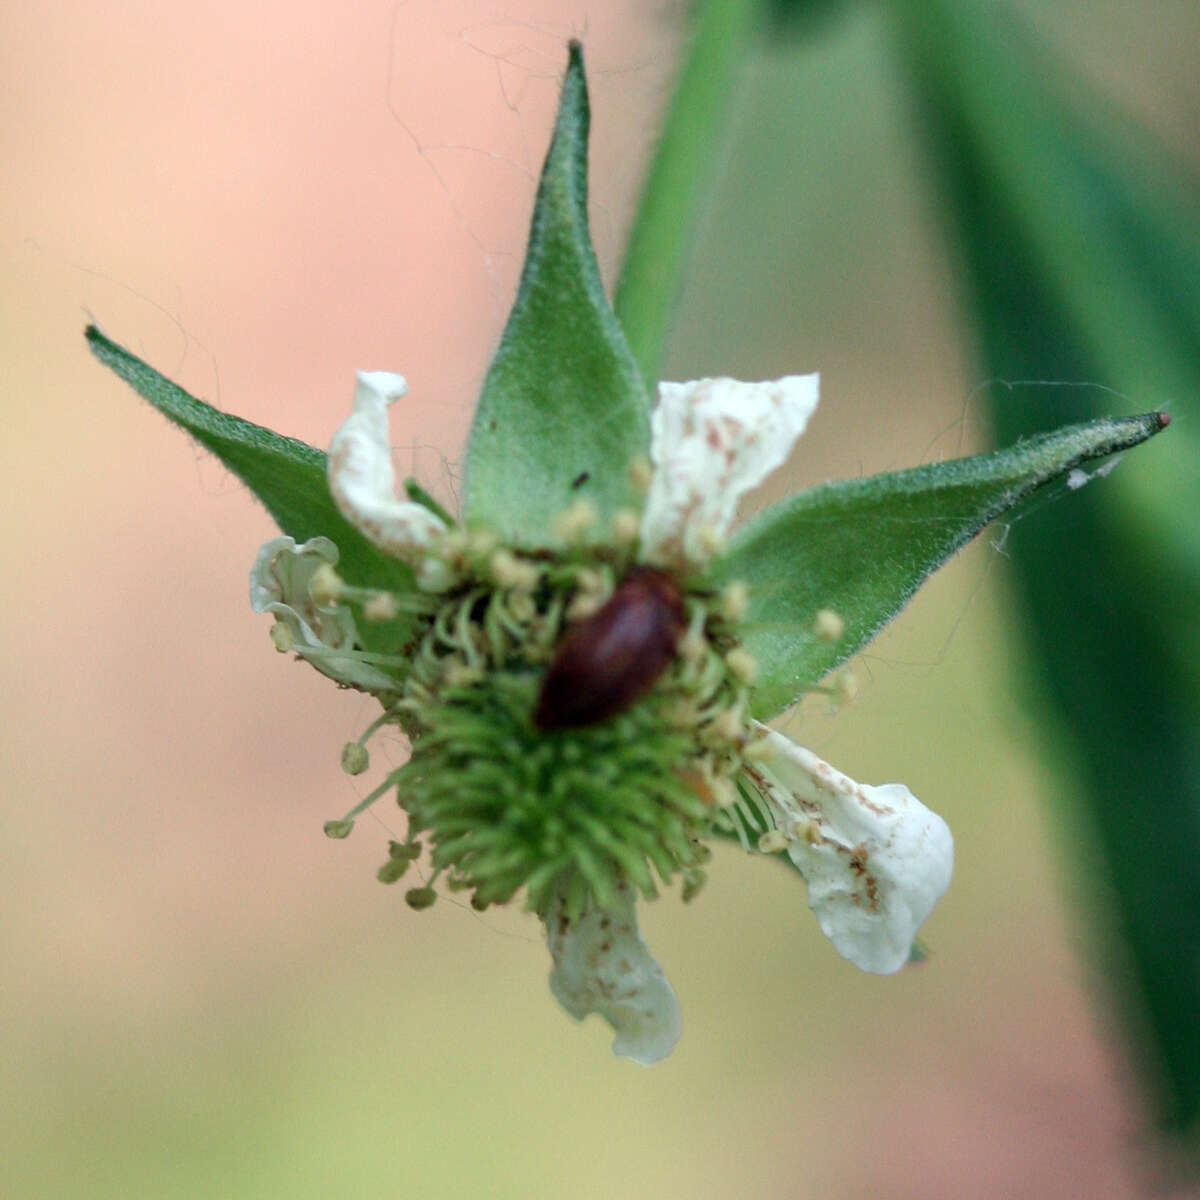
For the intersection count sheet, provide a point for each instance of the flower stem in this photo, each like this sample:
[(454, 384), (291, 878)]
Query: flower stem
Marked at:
[(652, 272)]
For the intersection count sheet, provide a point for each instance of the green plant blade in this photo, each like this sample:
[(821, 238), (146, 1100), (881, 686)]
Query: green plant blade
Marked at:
[(863, 547), (1081, 254), (690, 141), (564, 409), (286, 475)]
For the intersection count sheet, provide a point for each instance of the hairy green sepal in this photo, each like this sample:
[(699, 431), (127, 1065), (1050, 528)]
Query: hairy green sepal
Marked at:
[(863, 547), (287, 476), (563, 409)]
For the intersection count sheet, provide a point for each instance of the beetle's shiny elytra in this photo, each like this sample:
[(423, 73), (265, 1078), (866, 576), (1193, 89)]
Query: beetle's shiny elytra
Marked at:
[(616, 655)]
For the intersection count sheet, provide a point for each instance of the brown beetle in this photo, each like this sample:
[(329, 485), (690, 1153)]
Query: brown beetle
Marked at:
[(610, 659)]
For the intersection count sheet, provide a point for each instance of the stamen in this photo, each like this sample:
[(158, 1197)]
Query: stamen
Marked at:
[(355, 759), (401, 855), (282, 637), (724, 793), (459, 674), (420, 898), (482, 543), (641, 474), (521, 607), (845, 687), (626, 524), (828, 626), (724, 728), (710, 540), (693, 644), (772, 842), (742, 665), (508, 571), (342, 828), (584, 605), (326, 586), (381, 607), (735, 601), (758, 750), (393, 870), (573, 522)]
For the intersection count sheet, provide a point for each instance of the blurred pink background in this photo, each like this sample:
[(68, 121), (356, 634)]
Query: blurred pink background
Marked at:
[(204, 996)]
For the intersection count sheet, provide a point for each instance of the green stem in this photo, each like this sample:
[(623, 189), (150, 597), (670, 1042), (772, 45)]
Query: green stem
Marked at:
[(652, 273)]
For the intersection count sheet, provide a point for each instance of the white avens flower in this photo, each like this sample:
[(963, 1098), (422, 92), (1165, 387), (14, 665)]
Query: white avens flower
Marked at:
[(575, 676), (876, 861)]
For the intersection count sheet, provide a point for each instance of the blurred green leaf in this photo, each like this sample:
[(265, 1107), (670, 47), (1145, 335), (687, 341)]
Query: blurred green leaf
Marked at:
[(287, 476), (664, 226), (1081, 249), (863, 547), (563, 399), (801, 17)]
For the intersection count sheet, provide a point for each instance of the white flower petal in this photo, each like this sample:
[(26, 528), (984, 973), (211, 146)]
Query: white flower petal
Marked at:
[(711, 441), (875, 859), (325, 637), (362, 480), (602, 965)]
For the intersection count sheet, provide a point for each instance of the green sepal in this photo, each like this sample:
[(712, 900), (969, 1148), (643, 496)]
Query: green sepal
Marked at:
[(285, 474), (563, 400), (863, 547)]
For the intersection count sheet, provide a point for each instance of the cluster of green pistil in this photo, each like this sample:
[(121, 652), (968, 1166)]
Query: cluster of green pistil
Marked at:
[(563, 815)]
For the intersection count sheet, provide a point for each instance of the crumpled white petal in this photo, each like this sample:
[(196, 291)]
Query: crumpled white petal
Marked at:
[(711, 441), (875, 859), (362, 481), (325, 637), (602, 965)]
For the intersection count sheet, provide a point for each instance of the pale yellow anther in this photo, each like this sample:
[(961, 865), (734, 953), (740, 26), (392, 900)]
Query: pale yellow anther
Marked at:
[(742, 665), (457, 673), (828, 626), (772, 842), (282, 637), (692, 646), (355, 759), (725, 727), (456, 543), (521, 607), (808, 831), (482, 542), (380, 607), (761, 749), (584, 605), (641, 474), (710, 540), (325, 586), (573, 522), (723, 791), (510, 572), (735, 601), (626, 525), (682, 714), (589, 579), (845, 687)]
